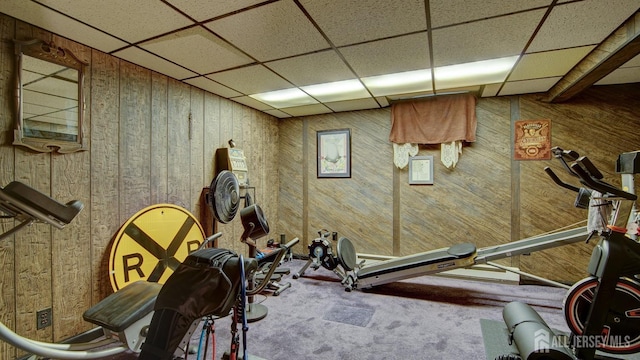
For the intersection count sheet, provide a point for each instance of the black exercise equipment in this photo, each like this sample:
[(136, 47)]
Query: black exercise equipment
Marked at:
[(255, 227), (224, 196), (122, 316), (162, 317), (225, 189), (206, 283), (321, 254), (266, 257), (603, 310)]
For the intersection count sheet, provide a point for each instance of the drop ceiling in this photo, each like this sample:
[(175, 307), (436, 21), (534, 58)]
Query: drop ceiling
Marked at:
[(342, 55)]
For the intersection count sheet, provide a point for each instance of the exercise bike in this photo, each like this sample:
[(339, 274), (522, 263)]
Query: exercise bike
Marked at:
[(603, 310)]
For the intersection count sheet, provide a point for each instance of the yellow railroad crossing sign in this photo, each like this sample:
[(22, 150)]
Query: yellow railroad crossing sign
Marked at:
[(152, 243)]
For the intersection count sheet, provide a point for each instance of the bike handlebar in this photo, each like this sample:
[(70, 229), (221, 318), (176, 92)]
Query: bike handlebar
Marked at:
[(590, 168), (564, 156), (569, 154), (557, 180), (582, 168), (586, 172)]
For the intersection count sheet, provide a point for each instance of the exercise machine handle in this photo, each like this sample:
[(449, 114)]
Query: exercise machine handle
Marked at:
[(599, 185), (590, 168), (569, 154), (557, 180), (563, 156), (281, 252), (210, 239)]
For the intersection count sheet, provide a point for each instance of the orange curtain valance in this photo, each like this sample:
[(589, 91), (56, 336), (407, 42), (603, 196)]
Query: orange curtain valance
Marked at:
[(434, 121)]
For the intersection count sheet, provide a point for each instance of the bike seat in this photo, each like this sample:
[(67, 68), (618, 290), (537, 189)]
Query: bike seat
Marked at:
[(462, 250)]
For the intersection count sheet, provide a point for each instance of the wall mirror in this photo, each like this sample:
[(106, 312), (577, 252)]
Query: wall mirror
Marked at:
[(50, 103)]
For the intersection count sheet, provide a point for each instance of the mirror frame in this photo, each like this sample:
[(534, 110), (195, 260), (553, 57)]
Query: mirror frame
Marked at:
[(50, 52)]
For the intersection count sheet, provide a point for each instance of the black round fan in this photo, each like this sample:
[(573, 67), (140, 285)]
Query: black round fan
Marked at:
[(224, 196)]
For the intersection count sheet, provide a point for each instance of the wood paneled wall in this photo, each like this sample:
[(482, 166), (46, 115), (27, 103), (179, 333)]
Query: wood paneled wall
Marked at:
[(152, 140), (488, 199)]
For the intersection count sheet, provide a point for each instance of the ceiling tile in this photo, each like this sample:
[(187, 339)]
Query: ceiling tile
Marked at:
[(251, 80), (212, 86), (307, 110), (491, 90), (382, 100), (337, 91), (482, 40), (633, 62), (528, 86), (131, 21), (277, 113), (410, 52), (198, 50), (350, 22), (548, 64), (369, 39), (60, 24), (327, 67), (350, 105), (621, 76), (272, 31), (150, 61), (251, 102), (448, 12), (204, 9), (581, 23)]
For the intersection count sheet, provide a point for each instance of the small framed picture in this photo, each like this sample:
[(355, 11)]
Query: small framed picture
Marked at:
[(421, 170), (334, 153)]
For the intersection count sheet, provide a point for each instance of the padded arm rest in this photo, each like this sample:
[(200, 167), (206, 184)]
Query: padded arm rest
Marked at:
[(121, 309), (18, 197)]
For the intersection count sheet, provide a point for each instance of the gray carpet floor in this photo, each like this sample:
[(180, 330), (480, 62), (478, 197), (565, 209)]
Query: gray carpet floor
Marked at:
[(428, 317)]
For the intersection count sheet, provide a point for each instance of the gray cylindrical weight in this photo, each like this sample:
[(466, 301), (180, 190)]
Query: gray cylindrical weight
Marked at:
[(516, 312), (531, 335)]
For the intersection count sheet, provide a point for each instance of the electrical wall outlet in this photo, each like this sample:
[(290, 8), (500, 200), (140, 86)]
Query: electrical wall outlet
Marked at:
[(43, 318)]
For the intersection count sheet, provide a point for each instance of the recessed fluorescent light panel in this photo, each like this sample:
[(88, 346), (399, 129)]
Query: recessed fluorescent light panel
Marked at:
[(475, 73), (399, 83), (417, 81), (337, 91), (284, 98)]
